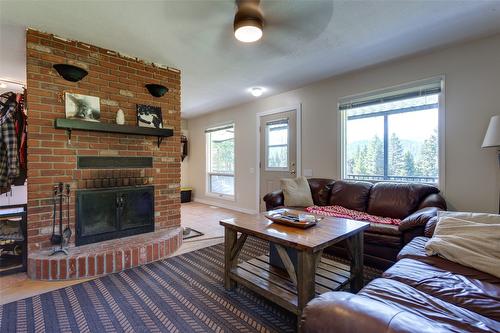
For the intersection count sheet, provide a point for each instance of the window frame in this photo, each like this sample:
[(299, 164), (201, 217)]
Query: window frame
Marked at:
[(267, 146), (209, 174), (342, 123)]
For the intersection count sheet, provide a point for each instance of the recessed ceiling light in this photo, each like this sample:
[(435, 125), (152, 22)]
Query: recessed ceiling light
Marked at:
[(3, 85), (256, 91)]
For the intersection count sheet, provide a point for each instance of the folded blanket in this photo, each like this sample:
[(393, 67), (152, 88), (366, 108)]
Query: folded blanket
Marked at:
[(339, 211), (470, 239)]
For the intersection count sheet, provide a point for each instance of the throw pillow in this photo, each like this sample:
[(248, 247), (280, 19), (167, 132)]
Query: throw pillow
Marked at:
[(470, 239), (296, 192)]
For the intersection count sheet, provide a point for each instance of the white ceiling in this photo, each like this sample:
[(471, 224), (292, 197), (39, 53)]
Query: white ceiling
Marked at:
[(304, 40)]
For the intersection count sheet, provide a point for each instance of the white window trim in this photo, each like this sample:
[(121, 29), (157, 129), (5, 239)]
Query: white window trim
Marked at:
[(342, 119), (207, 166)]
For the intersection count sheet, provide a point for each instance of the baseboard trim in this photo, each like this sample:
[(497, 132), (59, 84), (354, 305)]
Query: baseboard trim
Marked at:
[(222, 205)]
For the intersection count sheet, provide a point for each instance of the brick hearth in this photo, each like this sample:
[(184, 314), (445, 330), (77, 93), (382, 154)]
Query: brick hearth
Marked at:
[(93, 260)]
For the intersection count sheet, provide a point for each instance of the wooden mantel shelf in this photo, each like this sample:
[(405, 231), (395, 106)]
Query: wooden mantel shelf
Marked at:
[(81, 125)]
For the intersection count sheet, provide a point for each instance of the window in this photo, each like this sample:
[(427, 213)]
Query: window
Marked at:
[(277, 145), (220, 160), (392, 136)]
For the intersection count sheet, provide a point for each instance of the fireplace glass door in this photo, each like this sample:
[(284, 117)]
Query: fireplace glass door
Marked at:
[(104, 214), (98, 211), (136, 208)]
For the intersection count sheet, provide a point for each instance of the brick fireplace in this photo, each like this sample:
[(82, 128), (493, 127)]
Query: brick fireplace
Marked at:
[(119, 83)]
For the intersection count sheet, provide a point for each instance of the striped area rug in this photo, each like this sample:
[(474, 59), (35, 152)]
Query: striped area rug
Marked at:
[(179, 294)]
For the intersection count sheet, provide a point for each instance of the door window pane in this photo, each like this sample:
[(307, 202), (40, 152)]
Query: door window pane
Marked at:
[(277, 157), (277, 145), (278, 134)]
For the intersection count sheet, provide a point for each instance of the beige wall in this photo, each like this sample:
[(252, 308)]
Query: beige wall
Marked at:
[(472, 92)]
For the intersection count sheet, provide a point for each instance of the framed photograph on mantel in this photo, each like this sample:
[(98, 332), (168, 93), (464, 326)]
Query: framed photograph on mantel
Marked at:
[(82, 107), (149, 116)]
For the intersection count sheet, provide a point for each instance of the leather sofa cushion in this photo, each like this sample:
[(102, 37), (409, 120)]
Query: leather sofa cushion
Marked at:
[(397, 200), (343, 312), (385, 229), (446, 316), (471, 294), (351, 195), (320, 190), (383, 240), (416, 250)]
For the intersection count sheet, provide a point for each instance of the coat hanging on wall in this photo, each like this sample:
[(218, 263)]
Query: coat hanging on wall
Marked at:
[(13, 141)]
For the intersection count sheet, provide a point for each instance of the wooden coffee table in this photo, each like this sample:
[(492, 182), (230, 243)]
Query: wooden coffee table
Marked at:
[(294, 287)]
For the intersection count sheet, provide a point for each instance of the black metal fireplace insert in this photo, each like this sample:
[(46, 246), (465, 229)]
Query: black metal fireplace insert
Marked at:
[(110, 213)]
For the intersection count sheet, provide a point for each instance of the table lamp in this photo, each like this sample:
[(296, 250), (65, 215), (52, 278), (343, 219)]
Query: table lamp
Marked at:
[(492, 138)]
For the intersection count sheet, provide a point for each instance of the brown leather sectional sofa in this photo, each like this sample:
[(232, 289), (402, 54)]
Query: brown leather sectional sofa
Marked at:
[(415, 204), (419, 293)]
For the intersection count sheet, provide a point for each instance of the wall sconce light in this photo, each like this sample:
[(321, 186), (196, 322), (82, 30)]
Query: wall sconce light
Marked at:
[(156, 90), (70, 72), (184, 147)]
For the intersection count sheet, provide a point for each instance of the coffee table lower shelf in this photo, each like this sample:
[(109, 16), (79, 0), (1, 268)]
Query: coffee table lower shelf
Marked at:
[(274, 283)]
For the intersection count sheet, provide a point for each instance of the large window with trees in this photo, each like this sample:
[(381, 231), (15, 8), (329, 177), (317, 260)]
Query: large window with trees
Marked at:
[(393, 135), (220, 160)]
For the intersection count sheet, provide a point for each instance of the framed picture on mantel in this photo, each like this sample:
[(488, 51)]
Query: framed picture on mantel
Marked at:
[(82, 107), (149, 116)]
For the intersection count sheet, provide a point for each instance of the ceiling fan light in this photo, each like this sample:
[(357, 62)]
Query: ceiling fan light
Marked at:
[(248, 30)]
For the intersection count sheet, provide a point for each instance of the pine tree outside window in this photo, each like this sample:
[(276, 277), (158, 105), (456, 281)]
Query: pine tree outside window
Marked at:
[(220, 161), (392, 135)]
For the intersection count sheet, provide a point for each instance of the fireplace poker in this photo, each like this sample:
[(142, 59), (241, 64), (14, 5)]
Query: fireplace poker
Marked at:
[(54, 239), (66, 235), (59, 194)]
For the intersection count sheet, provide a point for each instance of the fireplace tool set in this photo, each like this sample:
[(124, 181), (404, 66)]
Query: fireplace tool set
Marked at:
[(61, 196)]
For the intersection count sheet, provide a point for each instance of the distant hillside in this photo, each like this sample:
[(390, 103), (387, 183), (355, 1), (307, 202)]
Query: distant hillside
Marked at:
[(415, 147)]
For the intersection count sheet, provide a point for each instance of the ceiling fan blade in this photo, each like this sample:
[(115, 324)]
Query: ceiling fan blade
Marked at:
[(302, 20)]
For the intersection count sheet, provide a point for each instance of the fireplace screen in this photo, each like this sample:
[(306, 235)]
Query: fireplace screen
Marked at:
[(104, 214)]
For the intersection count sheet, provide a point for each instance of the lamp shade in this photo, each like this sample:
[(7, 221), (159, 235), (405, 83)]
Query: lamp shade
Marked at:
[(492, 137)]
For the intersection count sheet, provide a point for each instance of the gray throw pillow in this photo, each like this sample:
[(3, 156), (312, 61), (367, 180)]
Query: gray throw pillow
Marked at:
[(296, 192)]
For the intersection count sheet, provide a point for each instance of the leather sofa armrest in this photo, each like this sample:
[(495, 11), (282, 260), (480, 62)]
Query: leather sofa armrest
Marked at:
[(418, 218), (433, 200), (342, 312), (274, 199), (430, 226)]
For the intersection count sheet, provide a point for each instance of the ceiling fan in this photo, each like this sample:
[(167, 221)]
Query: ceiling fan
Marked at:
[(284, 20)]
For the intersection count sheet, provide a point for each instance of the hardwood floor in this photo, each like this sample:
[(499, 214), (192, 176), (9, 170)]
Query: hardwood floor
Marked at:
[(200, 217)]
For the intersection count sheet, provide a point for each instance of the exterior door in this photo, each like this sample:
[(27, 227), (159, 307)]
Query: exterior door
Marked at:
[(278, 151)]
